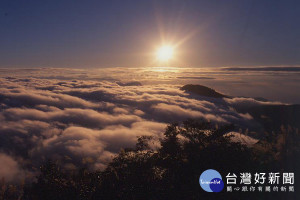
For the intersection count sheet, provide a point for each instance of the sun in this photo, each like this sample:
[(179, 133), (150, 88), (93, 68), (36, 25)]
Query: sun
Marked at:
[(165, 53)]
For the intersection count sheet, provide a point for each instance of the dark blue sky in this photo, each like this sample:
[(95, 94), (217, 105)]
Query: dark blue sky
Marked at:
[(71, 33)]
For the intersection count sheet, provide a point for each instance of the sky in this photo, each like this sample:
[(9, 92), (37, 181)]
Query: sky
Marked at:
[(118, 33)]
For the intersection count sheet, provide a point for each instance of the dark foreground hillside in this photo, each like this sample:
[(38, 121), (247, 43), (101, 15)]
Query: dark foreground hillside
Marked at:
[(172, 170)]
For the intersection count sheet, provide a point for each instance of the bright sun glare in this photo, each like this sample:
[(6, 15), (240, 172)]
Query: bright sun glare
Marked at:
[(165, 53)]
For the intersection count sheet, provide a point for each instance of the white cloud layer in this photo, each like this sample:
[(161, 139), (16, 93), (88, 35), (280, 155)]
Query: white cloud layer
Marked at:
[(89, 121)]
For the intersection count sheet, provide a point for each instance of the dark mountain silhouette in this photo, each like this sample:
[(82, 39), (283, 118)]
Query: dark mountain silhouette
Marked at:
[(202, 90), (274, 69), (271, 117), (274, 116)]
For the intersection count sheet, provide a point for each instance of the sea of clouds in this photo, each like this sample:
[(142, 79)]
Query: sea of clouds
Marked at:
[(78, 119)]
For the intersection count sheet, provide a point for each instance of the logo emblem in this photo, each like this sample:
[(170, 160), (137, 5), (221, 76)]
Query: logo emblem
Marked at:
[(211, 181)]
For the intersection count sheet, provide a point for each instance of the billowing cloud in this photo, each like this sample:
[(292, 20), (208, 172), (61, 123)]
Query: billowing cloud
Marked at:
[(86, 122), (176, 112), (10, 169), (83, 117)]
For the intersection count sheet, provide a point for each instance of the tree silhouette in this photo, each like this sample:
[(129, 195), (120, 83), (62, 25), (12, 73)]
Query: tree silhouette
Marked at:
[(172, 169)]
